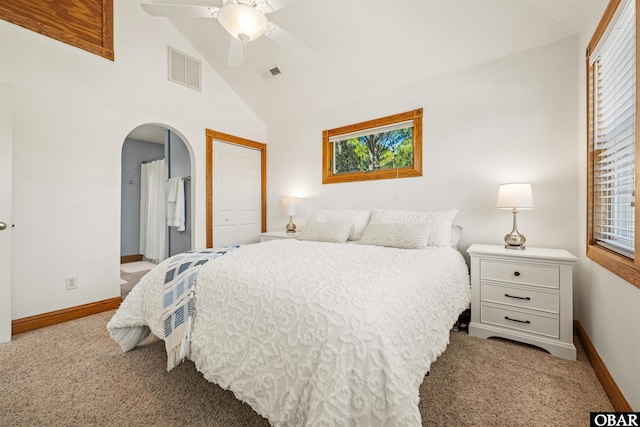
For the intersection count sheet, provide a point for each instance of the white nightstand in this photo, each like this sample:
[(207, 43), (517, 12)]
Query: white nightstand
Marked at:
[(523, 295), (273, 235)]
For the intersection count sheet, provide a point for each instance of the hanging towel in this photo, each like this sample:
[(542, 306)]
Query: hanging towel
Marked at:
[(176, 206)]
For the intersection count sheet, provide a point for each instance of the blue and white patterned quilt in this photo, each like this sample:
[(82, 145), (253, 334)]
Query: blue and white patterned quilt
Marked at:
[(179, 287)]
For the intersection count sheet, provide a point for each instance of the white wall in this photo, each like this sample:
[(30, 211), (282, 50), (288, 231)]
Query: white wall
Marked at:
[(71, 114), (513, 119), (608, 307)]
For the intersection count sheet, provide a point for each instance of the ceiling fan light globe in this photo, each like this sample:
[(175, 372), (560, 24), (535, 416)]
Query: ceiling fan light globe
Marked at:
[(242, 19)]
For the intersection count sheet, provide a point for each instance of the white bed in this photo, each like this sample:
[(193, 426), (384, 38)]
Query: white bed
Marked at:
[(315, 333)]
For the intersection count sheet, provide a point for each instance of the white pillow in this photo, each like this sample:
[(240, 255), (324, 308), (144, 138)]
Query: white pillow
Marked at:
[(359, 219), (456, 234), (336, 232), (439, 222), (404, 236)]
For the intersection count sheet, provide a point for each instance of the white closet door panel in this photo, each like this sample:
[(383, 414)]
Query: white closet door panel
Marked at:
[(249, 201), (248, 233), (227, 192), (227, 158), (226, 235), (250, 162), (249, 193), (237, 217)]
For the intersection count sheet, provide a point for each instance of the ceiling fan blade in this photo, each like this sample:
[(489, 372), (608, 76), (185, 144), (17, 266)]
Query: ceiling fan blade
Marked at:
[(268, 6), (235, 57), (289, 42), (179, 10)]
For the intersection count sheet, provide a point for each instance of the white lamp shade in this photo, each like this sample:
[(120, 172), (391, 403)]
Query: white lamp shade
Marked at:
[(241, 19), (515, 195), (289, 205)]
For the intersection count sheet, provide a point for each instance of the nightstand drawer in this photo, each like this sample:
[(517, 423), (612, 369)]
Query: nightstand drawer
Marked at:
[(519, 297), (547, 276), (520, 320)]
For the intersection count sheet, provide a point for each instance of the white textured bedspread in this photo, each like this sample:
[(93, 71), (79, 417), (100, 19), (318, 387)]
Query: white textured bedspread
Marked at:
[(312, 333)]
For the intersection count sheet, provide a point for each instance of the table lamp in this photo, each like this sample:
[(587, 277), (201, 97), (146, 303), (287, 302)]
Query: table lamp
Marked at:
[(515, 196), (289, 206)]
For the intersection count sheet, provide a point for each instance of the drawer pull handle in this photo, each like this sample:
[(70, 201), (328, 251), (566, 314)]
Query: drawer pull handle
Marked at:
[(517, 273), (513, 296), (516, 320)]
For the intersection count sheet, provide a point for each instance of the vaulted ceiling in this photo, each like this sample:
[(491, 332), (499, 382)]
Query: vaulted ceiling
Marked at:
[(366, 47)]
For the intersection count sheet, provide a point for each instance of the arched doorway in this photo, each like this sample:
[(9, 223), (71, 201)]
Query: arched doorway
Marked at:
[(163, 149)]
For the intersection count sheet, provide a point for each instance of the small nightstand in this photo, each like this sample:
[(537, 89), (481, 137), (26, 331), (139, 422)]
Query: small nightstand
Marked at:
[(523, 295), (273, 235)]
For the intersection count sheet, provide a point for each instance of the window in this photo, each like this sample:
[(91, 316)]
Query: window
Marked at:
[(388, 147), (611, 94)]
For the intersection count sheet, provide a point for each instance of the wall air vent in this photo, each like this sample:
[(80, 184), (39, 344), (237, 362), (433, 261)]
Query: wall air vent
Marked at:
[(184, 69), (270, 72)]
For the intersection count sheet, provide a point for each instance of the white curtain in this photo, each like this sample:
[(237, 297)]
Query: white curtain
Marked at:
[(153, 202)]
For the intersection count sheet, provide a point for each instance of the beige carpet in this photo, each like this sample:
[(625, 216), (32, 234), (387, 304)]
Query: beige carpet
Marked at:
[(73, 374), (130, 280)]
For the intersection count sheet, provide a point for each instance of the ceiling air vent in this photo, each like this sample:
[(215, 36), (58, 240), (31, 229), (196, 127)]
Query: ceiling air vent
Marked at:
[(270, 72), (184, 69)]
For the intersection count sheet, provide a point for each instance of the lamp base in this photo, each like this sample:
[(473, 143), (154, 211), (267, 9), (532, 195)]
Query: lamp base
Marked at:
[(291, 227), (514, 240), (514, 247)]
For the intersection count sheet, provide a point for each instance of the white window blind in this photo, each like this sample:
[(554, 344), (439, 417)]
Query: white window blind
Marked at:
[(337, 139), (614, 92), (372, 131)]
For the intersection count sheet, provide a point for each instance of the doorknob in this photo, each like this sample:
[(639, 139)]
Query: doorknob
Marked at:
[(2, 225)]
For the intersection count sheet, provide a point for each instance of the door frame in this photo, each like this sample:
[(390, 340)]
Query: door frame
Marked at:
[(6, 177), (236, 140)]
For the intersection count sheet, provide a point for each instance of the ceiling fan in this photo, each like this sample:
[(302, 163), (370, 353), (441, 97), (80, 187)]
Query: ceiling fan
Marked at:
[(245, 20)]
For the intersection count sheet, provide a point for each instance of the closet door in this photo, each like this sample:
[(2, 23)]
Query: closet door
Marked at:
[(237, 215)]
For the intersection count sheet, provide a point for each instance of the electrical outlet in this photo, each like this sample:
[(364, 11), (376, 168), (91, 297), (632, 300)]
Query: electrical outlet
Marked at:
[(72, 282)]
